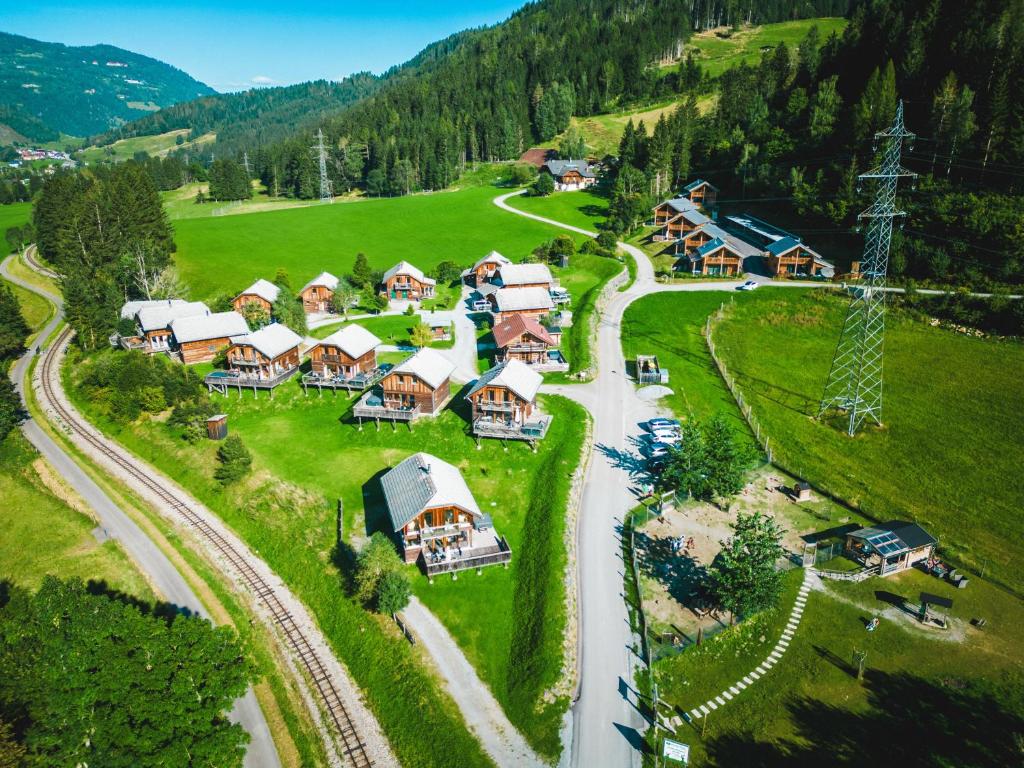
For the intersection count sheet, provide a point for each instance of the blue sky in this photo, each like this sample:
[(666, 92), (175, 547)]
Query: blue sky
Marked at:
[(236, 45)]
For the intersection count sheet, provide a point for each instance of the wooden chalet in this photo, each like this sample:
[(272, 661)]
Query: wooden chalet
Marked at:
[(504, 403), (789, 257), (702, 192), (890, 547), (436, 519), (404, 281), (198, 339), (570, 175), (347, 355), (153, 323), (531, 302), (525, 276), (676, 217), (523, 338), (261, 360), (716, 257), (262, 293), (418, 386), (484, 270), (316, 295)]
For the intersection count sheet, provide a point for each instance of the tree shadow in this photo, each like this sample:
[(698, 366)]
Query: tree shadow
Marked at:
[(911, 722), (158, 609), (634, 463), (676, 570), (633, 736), (375, 508)]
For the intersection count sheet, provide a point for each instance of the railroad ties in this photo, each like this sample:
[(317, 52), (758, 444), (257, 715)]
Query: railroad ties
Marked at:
[(352, 746)]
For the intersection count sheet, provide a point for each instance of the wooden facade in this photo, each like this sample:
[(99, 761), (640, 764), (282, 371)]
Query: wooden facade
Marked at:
[(500, 403), (529, 343), (242, 299), (255, 364), (329, 360), (450, 526), (202, 350), (407, 390), (798, 260), (484, 270), (720, 260), (702, 192), (692, 240), (663, 212), (316, 298), (403, 286)]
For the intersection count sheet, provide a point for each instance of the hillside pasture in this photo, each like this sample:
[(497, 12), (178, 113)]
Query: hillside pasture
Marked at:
[(224, 254), (159, 145), (583, 208), (13, 215), (950, 451)]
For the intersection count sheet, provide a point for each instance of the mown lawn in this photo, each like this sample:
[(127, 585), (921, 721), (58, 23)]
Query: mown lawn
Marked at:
[(955, 693), (34, 308), (390, 329), (669, 325), (157, 145), (224, 254), (584, 278), (315, 497), (12, 215), (950, 453), (41, 534), (583, 208), (716, 54)]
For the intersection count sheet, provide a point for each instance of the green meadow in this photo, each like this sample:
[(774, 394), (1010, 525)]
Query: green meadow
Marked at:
[(583, 208), (12, 215)]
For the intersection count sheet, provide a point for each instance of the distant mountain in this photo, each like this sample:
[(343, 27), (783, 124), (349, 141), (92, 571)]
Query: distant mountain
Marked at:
[(46, 88)]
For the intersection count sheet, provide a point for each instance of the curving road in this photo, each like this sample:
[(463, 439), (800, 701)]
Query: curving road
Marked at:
[(159, 570)]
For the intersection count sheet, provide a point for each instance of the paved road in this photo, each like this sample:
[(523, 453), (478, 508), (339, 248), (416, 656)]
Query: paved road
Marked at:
[(158, 569)]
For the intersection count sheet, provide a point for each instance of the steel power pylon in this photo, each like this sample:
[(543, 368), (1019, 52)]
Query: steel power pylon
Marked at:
[(326, 192), (854, 384)]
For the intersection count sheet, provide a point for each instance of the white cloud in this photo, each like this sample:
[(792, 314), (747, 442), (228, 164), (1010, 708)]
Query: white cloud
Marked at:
[(263, 80)]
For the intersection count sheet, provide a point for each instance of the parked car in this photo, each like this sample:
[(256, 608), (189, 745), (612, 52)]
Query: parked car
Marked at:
[(665, 436), (748, 286), (660, 423), (657, 451)]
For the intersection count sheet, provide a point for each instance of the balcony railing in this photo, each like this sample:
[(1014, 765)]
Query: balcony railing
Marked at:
[(359, 381), (535, 429), (502, 553), (221, 380), (387, 410), (488, 405)]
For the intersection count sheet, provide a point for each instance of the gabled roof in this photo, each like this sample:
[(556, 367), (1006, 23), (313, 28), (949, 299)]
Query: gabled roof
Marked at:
[(430, 366), (153, 318), (405, 268), (711, 246), (487, 289), (697, 183), (513, 374), (560, 167), (354, 340), (272, 340), (423, 482), (679, 204), (325, 279), (895, 536), (494, 257), (695, 217), (264, 289), (131, 308), (436, 319), (786, 244), (514, 326), (512, 275), (519, 299), (219, 325)]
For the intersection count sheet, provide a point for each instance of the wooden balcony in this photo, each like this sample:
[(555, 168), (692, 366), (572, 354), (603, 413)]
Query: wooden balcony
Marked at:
[(477, 557), (495, 406), (221, 381), (358, 382), (530, 431), (370, 406)]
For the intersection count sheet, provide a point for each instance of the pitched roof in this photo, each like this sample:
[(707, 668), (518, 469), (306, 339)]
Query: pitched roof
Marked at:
[(514, 326), (895, 536), (436, 319), (423, 482), (272, 340), (787, 244), (354, 340), (219, 325), (326, 279), (696, 183), (560, 167), (695, 217), (679, 204), (512, 275), (131, 308), (405, 268), (153, 318), (710, 247), (430, 366), (513, 374), (518, 299), (264, 289), (493, 256)]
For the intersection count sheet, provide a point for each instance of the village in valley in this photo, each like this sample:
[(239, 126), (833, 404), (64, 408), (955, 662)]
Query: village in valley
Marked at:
[(648, 403)]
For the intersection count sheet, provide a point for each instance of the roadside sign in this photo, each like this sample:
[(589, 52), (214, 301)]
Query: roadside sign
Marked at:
[(674, 750)]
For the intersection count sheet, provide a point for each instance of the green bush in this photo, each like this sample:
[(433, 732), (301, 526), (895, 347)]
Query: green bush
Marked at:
[(128, 384), (235, 461), (393, 592)]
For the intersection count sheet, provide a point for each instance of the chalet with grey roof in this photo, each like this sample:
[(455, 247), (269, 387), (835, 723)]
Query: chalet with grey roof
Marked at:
[(316, 295), (198, 339), (153, 320), (346, 359), (570, 175), (418, 386), (404, 281), (702, 192), (262, 293), (503, 402)]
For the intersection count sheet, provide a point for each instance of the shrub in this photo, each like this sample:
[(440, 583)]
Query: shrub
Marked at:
[(607, 240), (393, 592), (235, 461), (543, 186), (410, 310), (376, 562)]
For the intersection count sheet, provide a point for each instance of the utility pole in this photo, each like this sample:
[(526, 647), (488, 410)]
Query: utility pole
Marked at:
[(326, 193), (854, 384)]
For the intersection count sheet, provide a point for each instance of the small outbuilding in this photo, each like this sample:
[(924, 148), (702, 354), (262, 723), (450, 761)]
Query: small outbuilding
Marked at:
[(217, 426), (890, 547)]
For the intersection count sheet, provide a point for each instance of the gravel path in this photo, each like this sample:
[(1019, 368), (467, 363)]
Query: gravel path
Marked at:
[(484, 716)]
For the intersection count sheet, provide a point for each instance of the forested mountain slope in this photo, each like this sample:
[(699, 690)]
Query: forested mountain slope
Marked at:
[(50, 87)]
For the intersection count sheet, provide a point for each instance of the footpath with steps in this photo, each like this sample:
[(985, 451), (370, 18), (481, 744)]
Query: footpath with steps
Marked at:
[(762, 669)]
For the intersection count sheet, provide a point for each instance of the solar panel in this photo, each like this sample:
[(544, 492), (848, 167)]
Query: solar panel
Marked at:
[(887, 543)]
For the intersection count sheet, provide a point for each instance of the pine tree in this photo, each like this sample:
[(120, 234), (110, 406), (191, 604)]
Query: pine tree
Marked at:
[(235, 461), (13, 328), (362, 275), (743, 575)]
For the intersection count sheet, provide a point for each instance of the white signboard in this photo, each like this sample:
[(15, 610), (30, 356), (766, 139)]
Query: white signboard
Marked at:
[(673, 750)]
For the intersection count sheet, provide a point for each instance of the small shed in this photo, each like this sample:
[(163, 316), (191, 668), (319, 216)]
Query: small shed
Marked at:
[(802, 491), (890, 547), (648, 371), (217, 426)]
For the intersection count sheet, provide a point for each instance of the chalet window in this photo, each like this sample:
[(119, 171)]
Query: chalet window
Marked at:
[(449, 516)]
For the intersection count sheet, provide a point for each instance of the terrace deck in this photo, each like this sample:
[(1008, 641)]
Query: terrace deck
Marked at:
[(359, 382), (222, 381), (494, 552), (531, 431)]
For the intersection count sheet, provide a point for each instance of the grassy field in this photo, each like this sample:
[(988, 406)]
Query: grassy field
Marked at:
[(289, 512), (958, 692), (154, 146), (584, 209), (669, 325), (13, 215), (42, 533), (716, 54), (35, 309), (953, 443), (390, 329), (181, 203), (226, 253)]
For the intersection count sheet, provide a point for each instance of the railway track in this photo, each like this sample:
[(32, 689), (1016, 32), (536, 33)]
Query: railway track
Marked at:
[(351, 745), (33, 262)]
